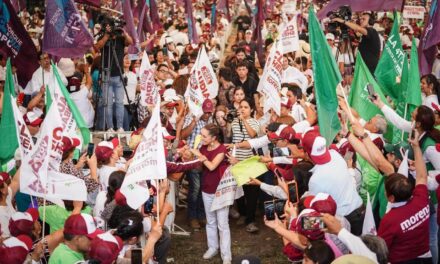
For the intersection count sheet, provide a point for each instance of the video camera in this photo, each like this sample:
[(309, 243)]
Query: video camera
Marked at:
[(116, 25), (343, 12)]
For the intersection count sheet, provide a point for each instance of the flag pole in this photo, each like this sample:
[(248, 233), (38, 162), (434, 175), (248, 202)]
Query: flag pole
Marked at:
[(404, 116), (350, 114), (157, 200)]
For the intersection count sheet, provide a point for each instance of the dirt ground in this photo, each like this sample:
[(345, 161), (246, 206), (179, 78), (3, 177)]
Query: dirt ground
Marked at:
[(189, 250)]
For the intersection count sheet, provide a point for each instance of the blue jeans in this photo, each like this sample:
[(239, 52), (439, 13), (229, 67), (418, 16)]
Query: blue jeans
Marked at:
[(195, 201), (127, 119), (433, 235), (114, 91)]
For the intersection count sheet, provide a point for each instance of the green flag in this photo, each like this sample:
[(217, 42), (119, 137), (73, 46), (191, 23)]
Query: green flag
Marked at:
[(79, 120), (8, 133), (413, 90), (327, 76), (390, 70), (358, 98)]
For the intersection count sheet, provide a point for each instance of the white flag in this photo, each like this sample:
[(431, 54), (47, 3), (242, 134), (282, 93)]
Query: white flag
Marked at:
[(270, 82), (289, 36), (202, 83), (149, 89), (149, 159), (369, 226), (404, 167), (136, 194), (227, 191), (26, 145)]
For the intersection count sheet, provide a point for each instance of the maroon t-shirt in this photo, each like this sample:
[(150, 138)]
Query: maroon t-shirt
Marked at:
[(405, 229), (210, 179)]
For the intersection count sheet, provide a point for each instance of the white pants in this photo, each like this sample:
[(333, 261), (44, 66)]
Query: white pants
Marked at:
[(217, 222)]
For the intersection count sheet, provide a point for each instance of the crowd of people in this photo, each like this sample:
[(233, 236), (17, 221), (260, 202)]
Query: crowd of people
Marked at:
[(321, 220)]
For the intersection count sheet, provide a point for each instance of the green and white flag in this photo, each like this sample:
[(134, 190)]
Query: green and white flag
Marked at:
[(327, 77)]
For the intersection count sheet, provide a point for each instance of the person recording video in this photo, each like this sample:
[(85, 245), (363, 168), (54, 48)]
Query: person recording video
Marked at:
[(111, 43), (369, 47)]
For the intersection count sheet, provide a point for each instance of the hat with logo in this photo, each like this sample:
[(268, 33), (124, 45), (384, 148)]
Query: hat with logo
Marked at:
[(104, 150), (322, 203), (32, 119), (208, 106), (283, 132), (105, 247), (21, 223), (315, 145), (70, 143), (81, 225), (15, 249)]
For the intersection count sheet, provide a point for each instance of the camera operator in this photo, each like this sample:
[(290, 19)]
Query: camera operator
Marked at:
[(369, 46), (111, 45)]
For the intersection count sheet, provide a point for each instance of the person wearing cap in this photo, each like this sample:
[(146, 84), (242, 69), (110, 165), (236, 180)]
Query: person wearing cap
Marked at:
[(67, 166), (336, 51), (79, 231), (293, 75), (331, 170), (285, 117), (42, 76), (248, 42), (24, 223), (33, 122), (191, 128), (15, 249), (107, 154), (105, 248)]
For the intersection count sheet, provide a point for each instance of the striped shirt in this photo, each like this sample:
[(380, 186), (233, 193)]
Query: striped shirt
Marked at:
[(239, 135), (197, 128)]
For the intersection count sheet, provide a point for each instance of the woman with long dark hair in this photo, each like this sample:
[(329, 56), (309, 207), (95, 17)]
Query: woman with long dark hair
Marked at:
[(431, 90)]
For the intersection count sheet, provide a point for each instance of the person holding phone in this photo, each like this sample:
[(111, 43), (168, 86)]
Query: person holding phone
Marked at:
[(213, 154)]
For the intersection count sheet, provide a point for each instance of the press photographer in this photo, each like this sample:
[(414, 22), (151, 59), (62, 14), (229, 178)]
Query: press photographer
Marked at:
[(111, 43), (369, 46)]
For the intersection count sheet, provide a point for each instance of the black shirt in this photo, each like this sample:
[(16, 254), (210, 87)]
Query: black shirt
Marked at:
[(118, 43), (369, 47), (249, 86)]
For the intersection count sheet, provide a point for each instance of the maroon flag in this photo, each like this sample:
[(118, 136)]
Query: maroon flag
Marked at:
[(154, 15), (259, 19), (129, 27), (18, 5), (65, 34), (95, 3), (361, 5), (429, 40), (16, 43), (192, 31), (223, 5)]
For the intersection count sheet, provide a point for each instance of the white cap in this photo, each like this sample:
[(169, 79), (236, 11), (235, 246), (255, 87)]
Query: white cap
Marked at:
[(330, 36)]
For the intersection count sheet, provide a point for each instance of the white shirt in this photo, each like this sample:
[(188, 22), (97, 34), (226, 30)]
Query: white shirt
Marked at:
[(85, 107), (428, 100), (99, 208), (334, 178), (6, 211), (131, 87), (293, 75), (104, 174), (36, 81), (298, 113), (180, 37), (356, 245)]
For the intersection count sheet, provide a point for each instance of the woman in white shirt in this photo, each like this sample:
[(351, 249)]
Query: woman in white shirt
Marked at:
[(83, 95), (431, 90), (132, 86)]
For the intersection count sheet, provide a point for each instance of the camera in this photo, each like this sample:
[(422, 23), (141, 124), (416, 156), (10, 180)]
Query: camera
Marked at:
[(343, 12), (231, 115), (115, 24)]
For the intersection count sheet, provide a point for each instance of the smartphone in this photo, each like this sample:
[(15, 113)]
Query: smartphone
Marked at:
[(293, 192), (370, 90), (90, 149), (312, 223), (274, 207), (165, 50), (136, 256), (281, 152), (148, 206)]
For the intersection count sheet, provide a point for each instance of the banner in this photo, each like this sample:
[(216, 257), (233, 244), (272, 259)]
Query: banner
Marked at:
[(369, 226), (149, 159), (227, 191), (19, 5), (270, 82), (16, 43), (149, 89), (327, 77), (135, 48), (136, 194), (417, 12), (65, 33), (289, 37), (429, 40), (202, 83), (22, 132), (246, 169), (358, 6)]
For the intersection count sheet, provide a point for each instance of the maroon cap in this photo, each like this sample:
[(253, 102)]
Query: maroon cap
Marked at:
[(70, 143), (15, 249), (208, 106), (286, 174), (315, 146), (104, 150), (4, 177), (322, 203), (22, 223), (32, 119), (81, 225), (283, 132), (105, 247)]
